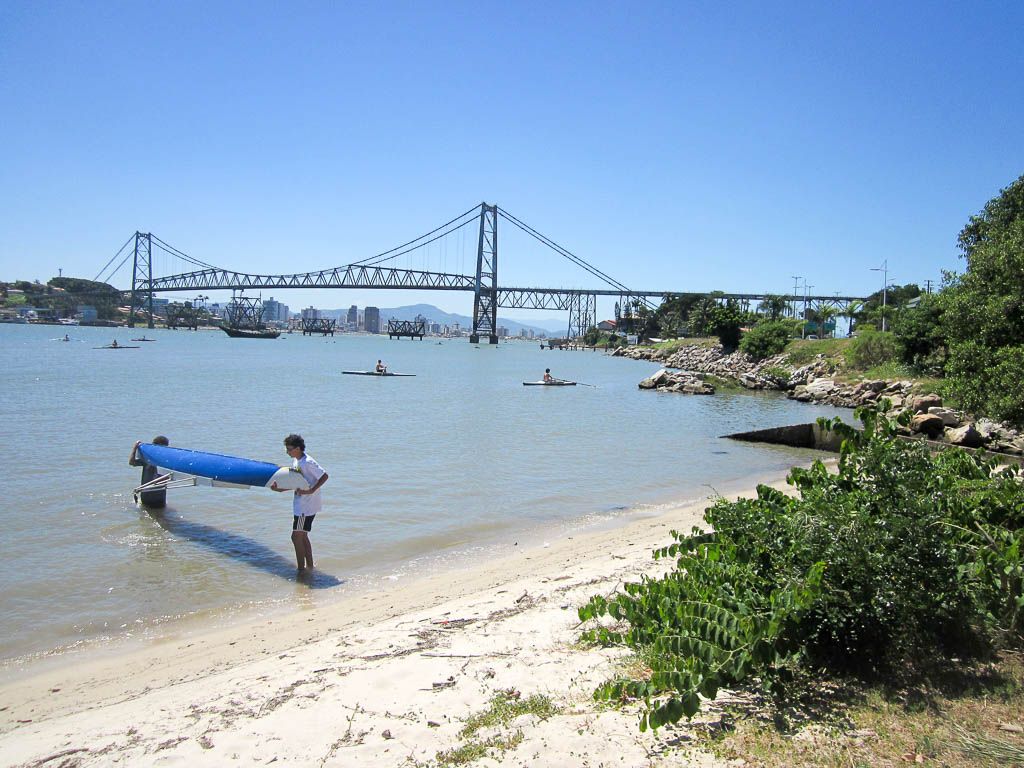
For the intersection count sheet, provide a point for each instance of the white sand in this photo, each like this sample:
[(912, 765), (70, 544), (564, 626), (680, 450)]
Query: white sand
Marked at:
[(382, 679)]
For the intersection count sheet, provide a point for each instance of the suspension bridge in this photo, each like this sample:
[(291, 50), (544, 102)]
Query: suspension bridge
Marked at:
[(379, 271)]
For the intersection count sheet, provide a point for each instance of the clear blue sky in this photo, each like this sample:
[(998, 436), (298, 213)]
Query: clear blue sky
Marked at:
[(676, 146)]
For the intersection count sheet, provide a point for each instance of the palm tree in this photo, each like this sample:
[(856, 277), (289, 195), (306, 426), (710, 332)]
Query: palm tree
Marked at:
[(852, 311), (825, 313), (774, 306)]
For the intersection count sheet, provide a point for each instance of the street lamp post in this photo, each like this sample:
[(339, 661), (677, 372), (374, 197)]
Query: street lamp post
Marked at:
[(796, 295), (803, 320), (884, 269)]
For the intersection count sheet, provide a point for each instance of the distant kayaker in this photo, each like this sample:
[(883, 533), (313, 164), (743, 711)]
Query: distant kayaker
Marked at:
[(381, 368), (547, 376)]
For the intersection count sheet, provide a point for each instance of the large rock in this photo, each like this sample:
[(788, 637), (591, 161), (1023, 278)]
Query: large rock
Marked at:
[(967, 436), (686, 382), (927, 424), (922, 403), (949, 417), (655, 380)]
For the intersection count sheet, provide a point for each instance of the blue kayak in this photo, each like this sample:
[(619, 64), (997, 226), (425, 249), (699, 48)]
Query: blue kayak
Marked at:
[(221, 468)]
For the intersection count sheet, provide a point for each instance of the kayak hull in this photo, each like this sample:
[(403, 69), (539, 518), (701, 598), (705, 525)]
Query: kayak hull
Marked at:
[(223, 469), (374, 373)]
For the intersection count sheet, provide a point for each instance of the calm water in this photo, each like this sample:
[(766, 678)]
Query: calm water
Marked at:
[(458, 462)]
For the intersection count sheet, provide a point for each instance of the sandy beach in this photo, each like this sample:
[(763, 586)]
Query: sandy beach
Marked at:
[(381, 679)]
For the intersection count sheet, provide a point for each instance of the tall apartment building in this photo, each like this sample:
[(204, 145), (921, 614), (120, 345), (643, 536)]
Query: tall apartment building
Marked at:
[(353, 315), (309, 313), (372, 319), (274, 311)]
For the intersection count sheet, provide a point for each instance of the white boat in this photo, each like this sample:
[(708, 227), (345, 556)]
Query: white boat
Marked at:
[(555, 383)]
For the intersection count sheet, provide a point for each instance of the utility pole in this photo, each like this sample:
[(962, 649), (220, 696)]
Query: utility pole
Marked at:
[(884, 269), (796, 285), (803, 320), (928, 286)]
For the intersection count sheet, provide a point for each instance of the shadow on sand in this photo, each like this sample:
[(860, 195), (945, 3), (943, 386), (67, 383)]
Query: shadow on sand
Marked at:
[(240, 548)]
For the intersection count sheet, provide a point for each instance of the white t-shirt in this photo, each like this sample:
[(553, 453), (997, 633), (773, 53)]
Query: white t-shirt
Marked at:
[(307, 504)]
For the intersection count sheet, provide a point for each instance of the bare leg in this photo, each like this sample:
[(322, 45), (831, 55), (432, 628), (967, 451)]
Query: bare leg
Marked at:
[(300, 548), (308, 550)]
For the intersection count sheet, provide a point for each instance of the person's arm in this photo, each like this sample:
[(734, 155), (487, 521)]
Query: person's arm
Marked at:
[(315, 488), (133, 457)]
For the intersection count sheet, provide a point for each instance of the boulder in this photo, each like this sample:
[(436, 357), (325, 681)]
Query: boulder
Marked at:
[(820, 388), (921, 403), (967, 436), (949, 417), (927, 424), (655, 380)]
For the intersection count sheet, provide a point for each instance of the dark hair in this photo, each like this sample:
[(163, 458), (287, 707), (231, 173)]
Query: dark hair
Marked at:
[(295, 441), (161, 440)]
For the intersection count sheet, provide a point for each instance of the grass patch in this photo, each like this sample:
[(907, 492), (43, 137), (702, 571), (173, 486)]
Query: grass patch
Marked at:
[(724, 385), (950, 718), (14, 300), (889, 371), (472, 751), (803, 351), (505, 706), (674, 345)]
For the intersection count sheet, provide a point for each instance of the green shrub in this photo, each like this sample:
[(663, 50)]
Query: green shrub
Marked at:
[(765, 339), (871, 348), (988, 380), (898, 558)]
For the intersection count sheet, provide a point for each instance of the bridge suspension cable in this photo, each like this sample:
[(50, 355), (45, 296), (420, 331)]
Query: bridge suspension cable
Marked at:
[(401, 250), (180, 254), (111, 275), (566, 253)]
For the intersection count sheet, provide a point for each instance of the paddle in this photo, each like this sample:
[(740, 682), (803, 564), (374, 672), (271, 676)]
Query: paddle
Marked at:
[(580, 383)]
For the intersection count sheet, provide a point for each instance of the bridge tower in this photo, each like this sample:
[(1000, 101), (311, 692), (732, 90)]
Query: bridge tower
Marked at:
[(142, 276), (485, 291), (582, 314)]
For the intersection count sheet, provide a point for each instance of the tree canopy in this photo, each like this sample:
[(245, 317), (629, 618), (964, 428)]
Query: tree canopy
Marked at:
[(983, 315)]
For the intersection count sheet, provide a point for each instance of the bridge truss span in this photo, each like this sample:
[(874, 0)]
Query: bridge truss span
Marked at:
[(354, 276)]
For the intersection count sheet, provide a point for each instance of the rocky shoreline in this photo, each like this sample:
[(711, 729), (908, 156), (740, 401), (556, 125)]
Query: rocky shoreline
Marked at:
[(816, 382)]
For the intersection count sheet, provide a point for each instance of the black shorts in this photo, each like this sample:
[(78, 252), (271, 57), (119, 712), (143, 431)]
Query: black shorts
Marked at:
[(304, 523)]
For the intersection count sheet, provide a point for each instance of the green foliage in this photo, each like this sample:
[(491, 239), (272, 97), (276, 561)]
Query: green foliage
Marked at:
[(899, 556), (983, 316), (774, 306), (872, 348), (987, 380), (919, 333), (766, 339), (726, 321), (896, 296), (700, 317), (595, 338)]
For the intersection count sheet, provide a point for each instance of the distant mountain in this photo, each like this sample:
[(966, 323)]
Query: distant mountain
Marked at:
[(436, 315)]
